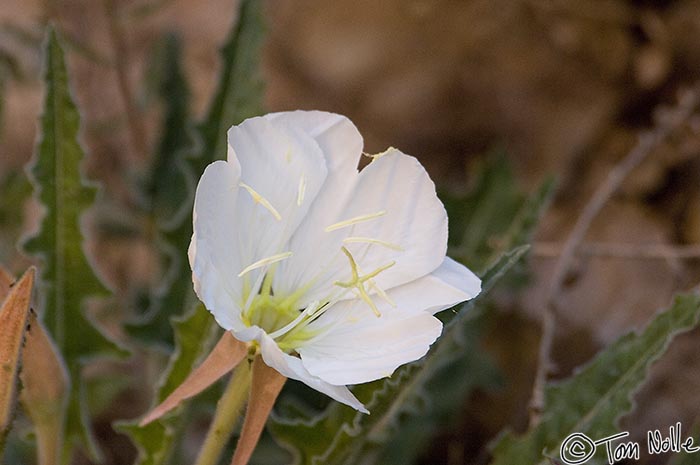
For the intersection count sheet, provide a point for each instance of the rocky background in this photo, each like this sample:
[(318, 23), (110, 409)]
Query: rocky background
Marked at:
[(563, 87)]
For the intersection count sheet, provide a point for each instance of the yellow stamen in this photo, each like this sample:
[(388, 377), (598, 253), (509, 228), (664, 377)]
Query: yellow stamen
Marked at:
[(377, 271), (364, 296), (265, 261), (357, 282), (288, 156), (353, 270), (382, 294), (370, 240), (301, 191), (355, 220), (257, 198), (308, 311)]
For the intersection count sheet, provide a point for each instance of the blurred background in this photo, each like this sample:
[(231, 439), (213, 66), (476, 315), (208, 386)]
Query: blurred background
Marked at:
[(562, 87)]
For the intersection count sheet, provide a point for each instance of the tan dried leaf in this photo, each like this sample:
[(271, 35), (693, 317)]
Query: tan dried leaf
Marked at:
[(44, 393), (266, 386), (14, 314), (6, 280), (223, 358)]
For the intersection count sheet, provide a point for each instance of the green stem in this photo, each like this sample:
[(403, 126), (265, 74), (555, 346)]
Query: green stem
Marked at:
[(228, 411)]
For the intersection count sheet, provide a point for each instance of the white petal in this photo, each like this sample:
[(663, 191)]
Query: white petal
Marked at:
[(282, 170), (355, 346), (362, 347), (341, 144), (291, 367), (338, 138), (397, 198), (214, 260), (415, 220), (451, 284)]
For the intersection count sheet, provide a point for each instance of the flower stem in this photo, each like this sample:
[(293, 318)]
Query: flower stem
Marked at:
[(228, 410)]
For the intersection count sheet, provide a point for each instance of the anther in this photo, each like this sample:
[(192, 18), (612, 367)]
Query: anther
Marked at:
[(257, 198), (301, 191), (364, 296), (355, 220), (265, 261), (369, 240), (382, 293), (307, 313), (377, 271)]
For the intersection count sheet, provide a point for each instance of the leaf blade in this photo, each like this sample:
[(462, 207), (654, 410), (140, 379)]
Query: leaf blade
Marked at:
[(168, 197), (593, 400), (239, 94), (156, 441), (66, 276)]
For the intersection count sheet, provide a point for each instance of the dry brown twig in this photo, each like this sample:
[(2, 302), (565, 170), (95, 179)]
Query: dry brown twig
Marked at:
[(121, 66), (667, 122), (551, 250)]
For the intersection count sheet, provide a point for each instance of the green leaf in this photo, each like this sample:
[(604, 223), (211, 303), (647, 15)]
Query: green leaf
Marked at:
[(194, 334), (456, 356), (592, 401), (67, 277), (526, 219), (239, 94), (479, 217), (169, 194), (3, 90), (153, 441), (171, 183), (343, 436), (520, 232), (687, 458), (16, 190), (684, 459), (494, 216)]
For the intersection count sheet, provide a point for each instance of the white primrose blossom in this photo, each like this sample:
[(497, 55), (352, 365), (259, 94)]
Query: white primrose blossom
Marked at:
[(333, 274)]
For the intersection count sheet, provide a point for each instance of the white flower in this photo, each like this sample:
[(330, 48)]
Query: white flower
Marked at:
[(333, 273)]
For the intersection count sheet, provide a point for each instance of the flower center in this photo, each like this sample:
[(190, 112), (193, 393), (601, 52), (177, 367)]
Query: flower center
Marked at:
[(271, 312), (281, 317)]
